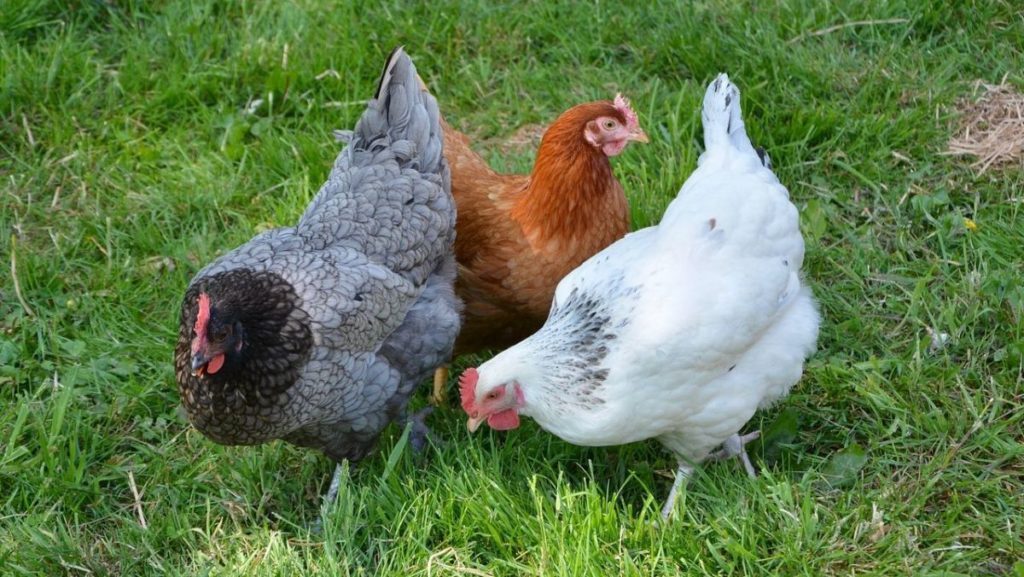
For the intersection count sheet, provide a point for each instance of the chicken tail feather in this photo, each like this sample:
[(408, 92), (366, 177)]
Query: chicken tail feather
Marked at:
[(403, 117), (723, 119)]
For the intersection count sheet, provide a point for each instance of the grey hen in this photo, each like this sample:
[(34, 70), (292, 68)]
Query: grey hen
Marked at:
[(317, 334)]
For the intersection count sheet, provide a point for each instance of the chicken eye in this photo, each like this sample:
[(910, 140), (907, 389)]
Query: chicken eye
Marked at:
[(221, 334), (493, 395), (609, 124)]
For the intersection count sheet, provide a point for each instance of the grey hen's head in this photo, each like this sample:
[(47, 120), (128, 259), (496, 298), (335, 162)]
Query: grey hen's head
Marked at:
[(243, 335)]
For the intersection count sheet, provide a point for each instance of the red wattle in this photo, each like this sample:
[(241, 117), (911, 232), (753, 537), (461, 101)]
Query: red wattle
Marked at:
[(503, 421), (215, 364)]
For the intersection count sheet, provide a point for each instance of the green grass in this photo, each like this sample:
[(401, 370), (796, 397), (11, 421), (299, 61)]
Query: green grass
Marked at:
[(127, 161)]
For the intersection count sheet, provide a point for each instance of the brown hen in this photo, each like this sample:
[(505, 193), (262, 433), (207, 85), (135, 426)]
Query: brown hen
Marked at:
[(519, 234)]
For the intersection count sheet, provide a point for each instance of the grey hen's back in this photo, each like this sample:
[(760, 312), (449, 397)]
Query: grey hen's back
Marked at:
[(388, 194), (366, 269)]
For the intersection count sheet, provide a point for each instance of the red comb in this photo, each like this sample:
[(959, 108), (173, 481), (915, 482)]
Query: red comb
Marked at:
[(204, 314), (467, 389), (622, 105)]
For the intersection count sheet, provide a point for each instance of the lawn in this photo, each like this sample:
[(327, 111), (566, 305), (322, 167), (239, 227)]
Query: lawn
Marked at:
[(138, 140)]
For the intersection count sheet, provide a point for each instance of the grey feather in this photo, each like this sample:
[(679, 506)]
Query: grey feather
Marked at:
[(371, 266)]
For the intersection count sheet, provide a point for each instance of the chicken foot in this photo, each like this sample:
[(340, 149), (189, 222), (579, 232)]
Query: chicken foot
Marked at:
[(418, 436), (735, 446), (440, 393), (732, 447)]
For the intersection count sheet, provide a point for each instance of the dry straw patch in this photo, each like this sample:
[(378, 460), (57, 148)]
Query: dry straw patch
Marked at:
[(526, 137), (992, 127)]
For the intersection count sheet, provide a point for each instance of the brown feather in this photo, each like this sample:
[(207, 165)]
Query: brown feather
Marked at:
[(518, 235)]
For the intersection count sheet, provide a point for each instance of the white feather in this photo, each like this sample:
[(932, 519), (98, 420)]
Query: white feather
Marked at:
[(709, 315)]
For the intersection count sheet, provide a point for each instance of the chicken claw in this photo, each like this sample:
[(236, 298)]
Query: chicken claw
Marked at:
[(734, 446)]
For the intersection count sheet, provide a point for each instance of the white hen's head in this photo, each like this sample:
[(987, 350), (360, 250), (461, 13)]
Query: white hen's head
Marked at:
[(499, 390)]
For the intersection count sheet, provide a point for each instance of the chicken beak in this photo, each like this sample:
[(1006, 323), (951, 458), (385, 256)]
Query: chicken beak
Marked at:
[(204, 361), (474, 423), (638, 135), (199, 361)]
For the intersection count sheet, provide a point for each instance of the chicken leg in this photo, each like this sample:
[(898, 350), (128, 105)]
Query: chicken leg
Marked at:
[(683, 473), (440, 393), (332, 491), (330, 497), (735, 446), (419, 432)]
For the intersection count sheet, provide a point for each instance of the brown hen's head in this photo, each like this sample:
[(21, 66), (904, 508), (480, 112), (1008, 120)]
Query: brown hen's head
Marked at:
[(242, 330), (607, 126), (612, 132)]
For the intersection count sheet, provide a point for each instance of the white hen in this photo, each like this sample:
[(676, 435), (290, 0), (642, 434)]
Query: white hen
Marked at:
[(677, 332)]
